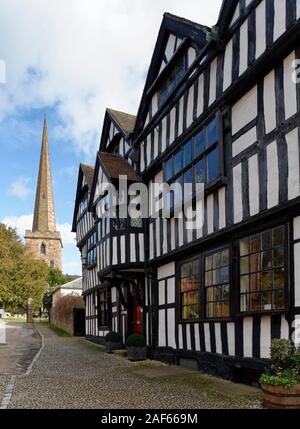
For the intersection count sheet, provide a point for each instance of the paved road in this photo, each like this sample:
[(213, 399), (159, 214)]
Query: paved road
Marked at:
[(73, 373), (19, 343)]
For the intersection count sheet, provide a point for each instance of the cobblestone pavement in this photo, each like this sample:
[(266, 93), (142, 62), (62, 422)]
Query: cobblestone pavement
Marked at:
[(3, 381), (73, 373)]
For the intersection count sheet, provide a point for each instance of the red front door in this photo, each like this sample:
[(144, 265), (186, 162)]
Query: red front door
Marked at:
[(137, 317)]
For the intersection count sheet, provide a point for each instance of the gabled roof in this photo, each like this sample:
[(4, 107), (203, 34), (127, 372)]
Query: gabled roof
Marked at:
[(182, 28), (75, 284), (86, 171), (115, 165), (225, 15), (125, 121), (194, 26)]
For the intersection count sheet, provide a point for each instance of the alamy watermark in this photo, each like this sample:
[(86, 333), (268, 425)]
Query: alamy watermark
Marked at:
[(157, 200), (296, 331), (2, 71), (2, 333), (296, 71)]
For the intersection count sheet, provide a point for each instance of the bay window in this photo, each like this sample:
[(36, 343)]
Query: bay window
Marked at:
[(190, 290), (205, 279), (217, 284), (262, 271)]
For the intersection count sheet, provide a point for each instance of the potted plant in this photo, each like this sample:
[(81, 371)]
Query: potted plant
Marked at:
[(113, 341), (136, 347), (281, 385)]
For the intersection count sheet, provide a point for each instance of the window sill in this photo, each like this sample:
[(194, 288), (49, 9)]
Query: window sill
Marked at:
[(261, 312), (126, 231), (215, 185), (90, 267), (214, 320), (103, 328)]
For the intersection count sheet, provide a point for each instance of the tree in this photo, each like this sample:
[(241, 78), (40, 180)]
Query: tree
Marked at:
[(21, 276), (55, 279)]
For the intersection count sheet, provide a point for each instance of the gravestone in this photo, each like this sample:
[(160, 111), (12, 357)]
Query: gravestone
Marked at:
[(30, 310)]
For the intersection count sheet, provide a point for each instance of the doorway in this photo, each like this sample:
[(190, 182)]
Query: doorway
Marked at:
[(137, 316)]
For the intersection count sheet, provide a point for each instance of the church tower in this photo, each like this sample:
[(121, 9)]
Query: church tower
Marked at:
[(44, 241)]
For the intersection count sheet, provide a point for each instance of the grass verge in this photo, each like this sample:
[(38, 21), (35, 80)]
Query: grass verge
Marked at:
[(203, 386), (60, 332), (12, 319)]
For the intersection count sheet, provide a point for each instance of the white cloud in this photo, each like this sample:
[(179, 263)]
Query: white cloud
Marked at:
[(20, 188), (71, 257), (21, 223), (67, 236), (83, 56)]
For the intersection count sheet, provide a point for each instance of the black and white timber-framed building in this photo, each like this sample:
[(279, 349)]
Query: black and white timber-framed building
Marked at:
[(220, 106)]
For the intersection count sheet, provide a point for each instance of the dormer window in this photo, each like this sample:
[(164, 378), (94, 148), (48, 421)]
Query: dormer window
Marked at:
[(172, 79)]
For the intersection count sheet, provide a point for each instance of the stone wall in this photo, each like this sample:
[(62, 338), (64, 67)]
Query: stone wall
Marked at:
[(62, 313), (53, 247)]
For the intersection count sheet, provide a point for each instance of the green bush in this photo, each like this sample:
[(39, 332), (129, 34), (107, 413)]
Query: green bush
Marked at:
[(281, 351), (136, 340), (286, 379), (285, 369), (113, 337), (293, 361)]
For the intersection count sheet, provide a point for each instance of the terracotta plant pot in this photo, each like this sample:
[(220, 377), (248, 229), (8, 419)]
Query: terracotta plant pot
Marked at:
[(136, 353), (110, 346), (279, 397)]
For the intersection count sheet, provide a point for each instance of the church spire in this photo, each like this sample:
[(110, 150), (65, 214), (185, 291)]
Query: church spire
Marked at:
[(44, 242), (44, 215)]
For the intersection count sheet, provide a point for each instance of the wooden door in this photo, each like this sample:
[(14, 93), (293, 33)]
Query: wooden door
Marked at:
[(137, 316)]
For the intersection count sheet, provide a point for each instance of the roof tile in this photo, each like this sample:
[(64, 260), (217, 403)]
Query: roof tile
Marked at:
[(116, 165)]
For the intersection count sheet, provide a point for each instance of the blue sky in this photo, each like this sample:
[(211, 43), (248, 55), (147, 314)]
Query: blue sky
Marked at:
[(19, 169), (70, 59)]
